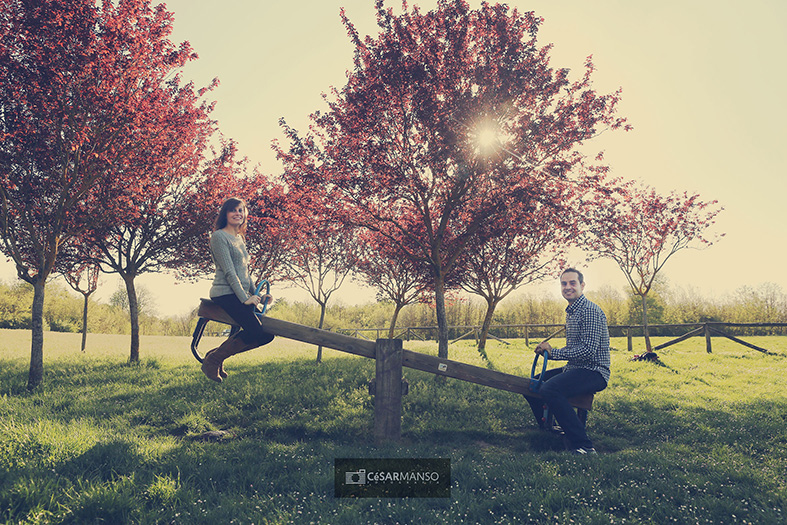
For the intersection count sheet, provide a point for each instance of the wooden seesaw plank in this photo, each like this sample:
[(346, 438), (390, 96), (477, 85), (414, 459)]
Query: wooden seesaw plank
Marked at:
[(480, 376), (410, 359), (305, 334)]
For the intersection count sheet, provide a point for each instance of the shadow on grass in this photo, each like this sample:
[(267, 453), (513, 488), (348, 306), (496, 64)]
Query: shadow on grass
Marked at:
[(296, 401), (289, 420), (657, 363), (105, 461)]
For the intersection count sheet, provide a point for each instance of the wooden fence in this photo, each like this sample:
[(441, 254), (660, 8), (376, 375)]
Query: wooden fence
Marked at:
[(544, 332)]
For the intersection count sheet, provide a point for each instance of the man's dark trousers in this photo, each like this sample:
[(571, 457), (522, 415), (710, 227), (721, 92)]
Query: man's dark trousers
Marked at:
[(559, 385)]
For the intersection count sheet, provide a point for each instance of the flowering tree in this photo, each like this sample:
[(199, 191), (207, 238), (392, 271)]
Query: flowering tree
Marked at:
[(150, 236), (400, 144), (83, 279), (268, 235), (396, 277), (524, 246), (322, 249), (641, 230), (224, 176), (82, 87), (269, 238)]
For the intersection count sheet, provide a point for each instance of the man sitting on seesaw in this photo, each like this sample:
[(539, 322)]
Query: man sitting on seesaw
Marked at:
[(587, 370)]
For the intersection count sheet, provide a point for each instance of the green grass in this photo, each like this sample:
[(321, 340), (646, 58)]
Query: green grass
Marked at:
[(698, 438)]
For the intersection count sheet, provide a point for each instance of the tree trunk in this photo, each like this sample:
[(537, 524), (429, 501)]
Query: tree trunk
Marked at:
[(84, 324), (490, 312), (36, 375), (442, 318), (133, 310), (397, 309), (323, 307), (645, 328)]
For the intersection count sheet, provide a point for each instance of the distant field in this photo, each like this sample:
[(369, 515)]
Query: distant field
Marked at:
[(696, 438), (15, 344)]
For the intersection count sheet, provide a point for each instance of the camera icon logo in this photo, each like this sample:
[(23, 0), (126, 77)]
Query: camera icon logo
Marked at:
[(355, 478)]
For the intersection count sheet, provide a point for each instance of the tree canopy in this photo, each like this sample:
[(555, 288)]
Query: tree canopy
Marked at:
[(83, 89), (641, 229), (402, 143)]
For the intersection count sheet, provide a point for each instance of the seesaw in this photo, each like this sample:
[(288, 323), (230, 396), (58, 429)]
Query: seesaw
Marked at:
[(390, 357)]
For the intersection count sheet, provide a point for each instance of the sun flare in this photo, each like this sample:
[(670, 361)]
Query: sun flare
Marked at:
[(486, 137)]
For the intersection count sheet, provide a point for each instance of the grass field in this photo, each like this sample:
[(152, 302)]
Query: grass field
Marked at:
[(697, 438)]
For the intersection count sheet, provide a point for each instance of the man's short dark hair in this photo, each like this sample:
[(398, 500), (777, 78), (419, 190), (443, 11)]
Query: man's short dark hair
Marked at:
[(581, 277)]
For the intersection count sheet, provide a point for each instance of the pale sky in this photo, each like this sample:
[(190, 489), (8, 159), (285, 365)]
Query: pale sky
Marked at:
[(702, 80)]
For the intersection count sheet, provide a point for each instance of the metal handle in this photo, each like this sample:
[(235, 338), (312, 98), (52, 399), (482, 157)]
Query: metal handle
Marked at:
[(267, 292), (535, 384)]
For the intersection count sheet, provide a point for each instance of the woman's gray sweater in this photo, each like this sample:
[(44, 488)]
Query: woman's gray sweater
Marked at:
[(232, 266)]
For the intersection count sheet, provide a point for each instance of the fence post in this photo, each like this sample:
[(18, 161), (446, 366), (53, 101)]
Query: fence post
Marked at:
[(630, 339), (388, 395), (707, 338), (527, 337)]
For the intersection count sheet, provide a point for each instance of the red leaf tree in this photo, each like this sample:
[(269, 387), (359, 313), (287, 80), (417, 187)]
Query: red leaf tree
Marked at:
[(322, 249), (399, 143), (268, 234), (224, 177), (149, 237), (270, 237), (526, 245), (641, 229), (396, 277), (83, 279), (82, 87)]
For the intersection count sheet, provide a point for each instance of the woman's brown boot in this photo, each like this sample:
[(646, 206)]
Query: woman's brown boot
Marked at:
[(222, 373), (213, 363)]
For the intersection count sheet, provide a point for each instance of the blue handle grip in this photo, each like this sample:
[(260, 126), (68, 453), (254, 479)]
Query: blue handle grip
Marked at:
[(535, 384), (267, 291)]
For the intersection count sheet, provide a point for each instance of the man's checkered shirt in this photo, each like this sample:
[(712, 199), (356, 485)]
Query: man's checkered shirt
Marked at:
[(587, 338)]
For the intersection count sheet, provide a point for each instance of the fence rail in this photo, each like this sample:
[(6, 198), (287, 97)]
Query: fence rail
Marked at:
[(547, 331)]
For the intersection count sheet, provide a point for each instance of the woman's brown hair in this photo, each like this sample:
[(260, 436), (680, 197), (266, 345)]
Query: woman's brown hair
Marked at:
[(229, 205)]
